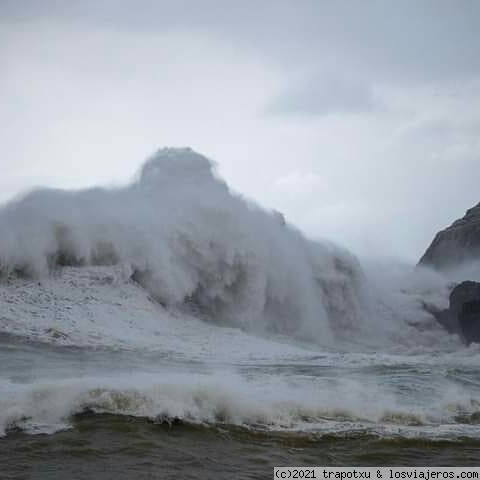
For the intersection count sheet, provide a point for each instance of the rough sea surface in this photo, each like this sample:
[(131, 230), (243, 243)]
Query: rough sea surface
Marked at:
[(170, 329), (79, 412)]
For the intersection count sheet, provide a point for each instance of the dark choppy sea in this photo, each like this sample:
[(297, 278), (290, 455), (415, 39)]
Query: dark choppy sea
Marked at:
[(83, 413)]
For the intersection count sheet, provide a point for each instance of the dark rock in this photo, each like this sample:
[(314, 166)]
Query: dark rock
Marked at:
[(456, 244), (462, 294), (469, 320), (463, 315)]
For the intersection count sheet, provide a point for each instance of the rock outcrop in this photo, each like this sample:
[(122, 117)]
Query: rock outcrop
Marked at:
[(463, 315), (456, 244)]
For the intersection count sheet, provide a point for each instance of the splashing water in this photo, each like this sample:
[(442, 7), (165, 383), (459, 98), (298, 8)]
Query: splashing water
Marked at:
[(156, 277)]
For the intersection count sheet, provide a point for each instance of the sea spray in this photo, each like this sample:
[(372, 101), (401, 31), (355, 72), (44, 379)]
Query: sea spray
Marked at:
[(191, 242)]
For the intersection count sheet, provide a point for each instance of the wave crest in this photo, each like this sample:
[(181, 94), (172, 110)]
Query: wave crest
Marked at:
[(191, 242)]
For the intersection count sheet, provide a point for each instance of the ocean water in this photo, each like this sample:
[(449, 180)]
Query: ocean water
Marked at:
[(80, 412), (171, 329)]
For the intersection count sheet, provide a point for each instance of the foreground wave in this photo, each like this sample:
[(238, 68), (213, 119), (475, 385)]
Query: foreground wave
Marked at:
[(316, 404)]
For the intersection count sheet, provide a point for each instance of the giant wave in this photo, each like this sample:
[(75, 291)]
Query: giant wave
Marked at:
[(196, 246)]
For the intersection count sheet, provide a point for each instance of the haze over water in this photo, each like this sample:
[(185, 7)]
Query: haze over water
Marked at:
[(170, 326)]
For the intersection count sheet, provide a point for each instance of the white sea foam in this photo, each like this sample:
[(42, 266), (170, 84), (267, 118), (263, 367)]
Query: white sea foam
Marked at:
[(226, 398), (160, 274), (179, 232)]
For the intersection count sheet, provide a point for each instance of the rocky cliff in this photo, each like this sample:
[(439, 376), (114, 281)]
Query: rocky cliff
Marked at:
[(463, 315), (456, 244)]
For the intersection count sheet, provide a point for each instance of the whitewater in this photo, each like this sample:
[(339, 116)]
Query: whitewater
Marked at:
[(176, 300)]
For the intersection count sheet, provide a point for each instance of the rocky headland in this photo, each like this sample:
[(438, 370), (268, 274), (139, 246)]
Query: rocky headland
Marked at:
[(451, 248), (456, 244)]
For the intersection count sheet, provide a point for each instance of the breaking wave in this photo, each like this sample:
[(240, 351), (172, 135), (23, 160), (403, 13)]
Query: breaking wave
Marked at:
[(193, 244), (184, 236), (227, 399)]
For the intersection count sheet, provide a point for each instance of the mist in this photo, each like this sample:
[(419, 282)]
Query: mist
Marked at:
[(357, 122)]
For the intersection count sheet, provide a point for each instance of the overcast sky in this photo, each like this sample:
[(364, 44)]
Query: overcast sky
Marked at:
[(359, 120)]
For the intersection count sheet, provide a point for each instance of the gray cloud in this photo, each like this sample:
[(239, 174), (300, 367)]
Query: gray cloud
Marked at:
[(89, 88), (401, 41), (325, 94)]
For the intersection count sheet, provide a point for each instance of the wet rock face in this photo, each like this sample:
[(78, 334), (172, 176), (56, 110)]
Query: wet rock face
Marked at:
[(463, 315), (463, 294), (456, 244), (469, 321)]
